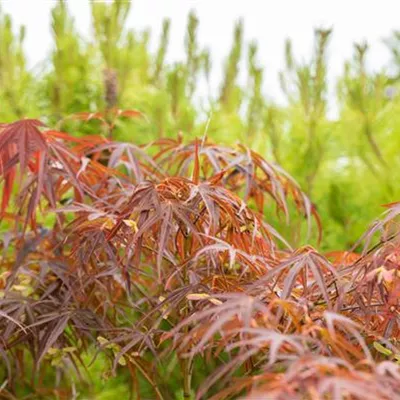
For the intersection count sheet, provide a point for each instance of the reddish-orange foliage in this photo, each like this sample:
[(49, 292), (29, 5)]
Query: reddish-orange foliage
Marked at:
[(167, 249)]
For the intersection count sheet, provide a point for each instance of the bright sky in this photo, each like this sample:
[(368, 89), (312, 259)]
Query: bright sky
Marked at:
[(267, 21)]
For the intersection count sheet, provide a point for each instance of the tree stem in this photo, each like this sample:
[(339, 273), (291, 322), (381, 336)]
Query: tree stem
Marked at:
[(187, 378)]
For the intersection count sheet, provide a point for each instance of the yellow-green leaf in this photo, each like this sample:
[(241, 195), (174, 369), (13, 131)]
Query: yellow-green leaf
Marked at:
[(382, 349)]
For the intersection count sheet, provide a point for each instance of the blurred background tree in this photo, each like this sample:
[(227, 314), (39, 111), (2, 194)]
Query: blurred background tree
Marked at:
[(15, 79)]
